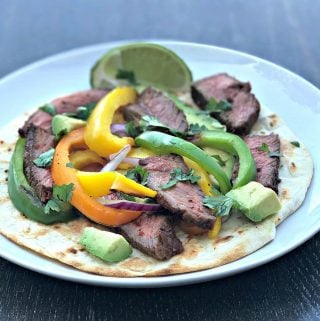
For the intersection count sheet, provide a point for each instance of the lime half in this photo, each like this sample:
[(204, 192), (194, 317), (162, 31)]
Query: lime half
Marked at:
[(142, 64)]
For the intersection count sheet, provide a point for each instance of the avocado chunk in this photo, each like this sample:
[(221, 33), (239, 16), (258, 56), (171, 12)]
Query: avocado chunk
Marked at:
[(255, 201), (110, 247), (62, 125), (196, 116)]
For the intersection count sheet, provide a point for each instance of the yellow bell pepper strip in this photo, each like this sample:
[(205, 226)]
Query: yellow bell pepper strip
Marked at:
[(87, 205), (83, 158), (204, 181), (98, 136), (100, 184), (206, 185), (216, 228)]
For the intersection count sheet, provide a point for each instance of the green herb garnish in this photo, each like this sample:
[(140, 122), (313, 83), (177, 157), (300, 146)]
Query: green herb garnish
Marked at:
[(82, 112), (69, 165), (61, 197), (131, 129), (221, 204), (265, 148), (45, 159), (295, 143), (49, 109), (195, 129), (177, 175), (218, 106), (220, 160), (127, 197), (127, 75), (138, 174)]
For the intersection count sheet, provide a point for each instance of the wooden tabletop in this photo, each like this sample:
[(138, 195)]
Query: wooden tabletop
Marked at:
[(286, 32)]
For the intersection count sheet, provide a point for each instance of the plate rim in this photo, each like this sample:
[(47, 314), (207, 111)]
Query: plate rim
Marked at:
[(161, 281)]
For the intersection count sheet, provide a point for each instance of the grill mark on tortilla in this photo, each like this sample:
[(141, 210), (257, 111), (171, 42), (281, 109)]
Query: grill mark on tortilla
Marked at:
[(285, 194), (292, 168), (138, 263), (223, 239)]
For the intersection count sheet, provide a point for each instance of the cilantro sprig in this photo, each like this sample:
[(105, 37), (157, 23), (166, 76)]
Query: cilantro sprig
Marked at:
[(153, 123), (127, 75), (218, 106), (82, 112), (221, 204), (138, 174), (177, 175), (265, 148), (61, 197)]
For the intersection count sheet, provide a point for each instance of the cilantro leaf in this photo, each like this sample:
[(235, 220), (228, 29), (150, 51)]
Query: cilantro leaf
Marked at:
[(295, 143), (69, 165), (265, 148), (45, 159), (52, 205), (177, 175), (196, 129), (127, 75), (82, 112), (132, 130), (218, 106), (127, 197), (221, 162), (221, 204), (138, 174), (63, 193), (61, 197), (49, 109)]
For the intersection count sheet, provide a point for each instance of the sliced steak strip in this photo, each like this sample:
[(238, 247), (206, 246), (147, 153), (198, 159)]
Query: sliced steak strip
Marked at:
[(183, 199), (38, 141), (267, 167), (154, 103), (67, 104), (245, 107), (152, 234)]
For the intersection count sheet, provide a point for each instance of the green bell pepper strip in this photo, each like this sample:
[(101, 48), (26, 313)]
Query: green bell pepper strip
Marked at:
[(24, 198), (162, 143), (232, 144)]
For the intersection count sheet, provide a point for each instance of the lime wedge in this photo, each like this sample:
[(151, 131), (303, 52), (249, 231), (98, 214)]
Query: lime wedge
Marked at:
[(143, 64)]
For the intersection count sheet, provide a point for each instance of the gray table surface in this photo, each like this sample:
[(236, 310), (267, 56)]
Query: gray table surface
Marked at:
[(283, 31)]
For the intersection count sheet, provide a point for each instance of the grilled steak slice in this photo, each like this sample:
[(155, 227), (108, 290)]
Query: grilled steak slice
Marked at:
[(267, 167), (184, 198), (67, 104), (38, 141), (154, 103), (154, 235), (245, 107)]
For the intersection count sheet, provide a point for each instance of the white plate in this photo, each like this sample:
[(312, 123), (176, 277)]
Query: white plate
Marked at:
[(293, 98)]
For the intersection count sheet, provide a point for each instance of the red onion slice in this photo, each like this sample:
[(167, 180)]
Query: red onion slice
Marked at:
[(116, 159), (118, 129), (128, 205)]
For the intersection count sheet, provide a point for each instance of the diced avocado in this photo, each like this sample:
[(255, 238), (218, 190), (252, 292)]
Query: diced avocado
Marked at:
[(225, 160), (255, 201), (62, 125), (110, 247), (195, 116)]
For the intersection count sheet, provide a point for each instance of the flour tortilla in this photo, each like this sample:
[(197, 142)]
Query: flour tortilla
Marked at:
[(238, 237)]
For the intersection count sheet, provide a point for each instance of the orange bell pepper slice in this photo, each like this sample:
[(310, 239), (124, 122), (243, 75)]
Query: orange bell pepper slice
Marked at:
[(87, 205)]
